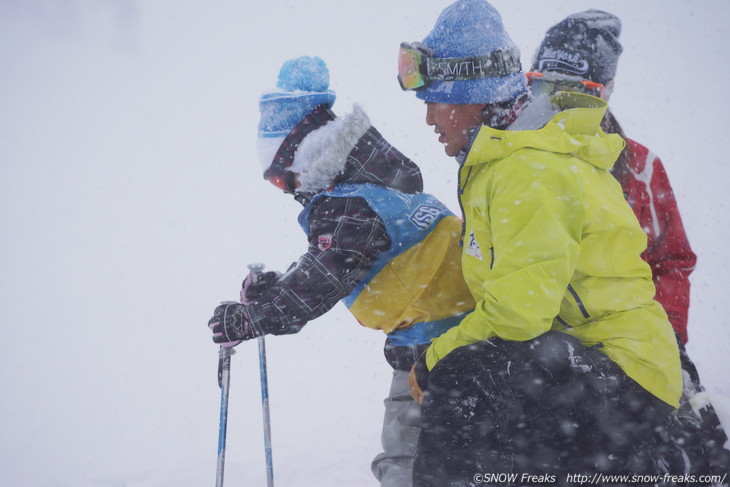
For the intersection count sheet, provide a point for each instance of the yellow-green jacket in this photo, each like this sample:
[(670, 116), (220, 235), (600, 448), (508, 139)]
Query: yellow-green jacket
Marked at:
[(551, 244)]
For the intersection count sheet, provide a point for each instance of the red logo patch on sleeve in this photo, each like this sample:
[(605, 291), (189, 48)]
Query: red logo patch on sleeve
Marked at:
[(324, 242)]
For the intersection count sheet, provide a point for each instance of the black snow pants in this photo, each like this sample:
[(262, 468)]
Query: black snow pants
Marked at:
[(696, 430), (546, 407)]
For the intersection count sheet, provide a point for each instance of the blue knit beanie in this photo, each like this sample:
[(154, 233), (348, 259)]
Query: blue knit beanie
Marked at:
[(471, 28), (303, 84)]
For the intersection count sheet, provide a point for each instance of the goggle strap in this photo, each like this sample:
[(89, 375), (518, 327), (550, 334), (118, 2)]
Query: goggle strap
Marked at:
[(498, 63)]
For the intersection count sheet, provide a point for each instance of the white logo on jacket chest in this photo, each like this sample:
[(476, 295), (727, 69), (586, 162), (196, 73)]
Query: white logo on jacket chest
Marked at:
[(424, 215), (472, 247)]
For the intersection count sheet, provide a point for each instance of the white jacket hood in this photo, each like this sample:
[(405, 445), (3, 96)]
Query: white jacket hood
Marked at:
[(322, 155)]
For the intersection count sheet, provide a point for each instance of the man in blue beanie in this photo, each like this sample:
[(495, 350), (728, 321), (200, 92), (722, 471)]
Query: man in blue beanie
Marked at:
[(567, 366)]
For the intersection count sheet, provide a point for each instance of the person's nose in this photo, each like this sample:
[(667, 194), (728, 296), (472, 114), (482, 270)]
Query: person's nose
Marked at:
[(429, 114)]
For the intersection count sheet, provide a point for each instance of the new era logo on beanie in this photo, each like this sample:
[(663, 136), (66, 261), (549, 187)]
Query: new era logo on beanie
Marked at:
[(470, 29), (302, 85), (584, 45)]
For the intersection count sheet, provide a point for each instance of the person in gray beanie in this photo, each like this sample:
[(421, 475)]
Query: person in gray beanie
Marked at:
[(580, 53), (584, 46), (374, 240), (567, 365)]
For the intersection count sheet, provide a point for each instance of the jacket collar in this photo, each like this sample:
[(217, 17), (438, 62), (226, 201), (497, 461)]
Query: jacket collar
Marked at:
[(322, 155), (350, 150), (572, 126)]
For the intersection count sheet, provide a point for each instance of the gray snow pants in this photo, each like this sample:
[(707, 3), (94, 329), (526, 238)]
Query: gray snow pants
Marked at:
[(401, 427)]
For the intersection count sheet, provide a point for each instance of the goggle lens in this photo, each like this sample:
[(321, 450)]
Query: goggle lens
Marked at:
[(539, 86), (409, 68), (285, 182), (278, 182)]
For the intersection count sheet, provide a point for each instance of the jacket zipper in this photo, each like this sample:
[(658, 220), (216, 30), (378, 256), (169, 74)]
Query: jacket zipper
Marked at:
[(578, 301), (459, 193)]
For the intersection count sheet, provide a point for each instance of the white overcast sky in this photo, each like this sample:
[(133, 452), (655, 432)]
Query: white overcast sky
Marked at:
[(131, 201)]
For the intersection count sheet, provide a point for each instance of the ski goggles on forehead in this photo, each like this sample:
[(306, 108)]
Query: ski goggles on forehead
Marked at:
[(545, 83), (418, 68)]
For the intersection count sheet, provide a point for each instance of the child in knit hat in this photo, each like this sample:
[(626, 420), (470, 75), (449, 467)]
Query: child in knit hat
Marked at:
[(581, 53), (375, 242), (567, 364)]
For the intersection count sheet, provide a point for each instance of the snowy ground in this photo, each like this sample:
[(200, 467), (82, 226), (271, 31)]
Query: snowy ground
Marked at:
[(131, 201)]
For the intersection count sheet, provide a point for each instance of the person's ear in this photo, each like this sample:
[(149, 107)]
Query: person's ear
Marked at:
[(486, 113)]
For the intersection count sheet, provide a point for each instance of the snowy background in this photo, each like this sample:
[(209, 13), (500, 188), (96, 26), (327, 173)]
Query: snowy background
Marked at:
[(131, 201)]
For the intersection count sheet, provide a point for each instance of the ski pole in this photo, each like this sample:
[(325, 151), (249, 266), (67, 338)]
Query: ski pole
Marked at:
[(256, 271), (224, 378), (267, 419)]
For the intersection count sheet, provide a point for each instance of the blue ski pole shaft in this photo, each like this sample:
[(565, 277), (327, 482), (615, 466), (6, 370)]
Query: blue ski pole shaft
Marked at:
[(256, 270), (224, 379), (265, 406)]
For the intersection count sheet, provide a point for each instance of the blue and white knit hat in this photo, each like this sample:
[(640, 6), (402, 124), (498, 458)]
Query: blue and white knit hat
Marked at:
[(471, 28), (303, 85)]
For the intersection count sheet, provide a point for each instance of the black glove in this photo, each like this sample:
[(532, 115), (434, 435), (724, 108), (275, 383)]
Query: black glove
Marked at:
[(256, 284), (230, 325)]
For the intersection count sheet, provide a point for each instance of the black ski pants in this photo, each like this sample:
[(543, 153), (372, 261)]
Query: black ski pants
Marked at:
[(548, 406)]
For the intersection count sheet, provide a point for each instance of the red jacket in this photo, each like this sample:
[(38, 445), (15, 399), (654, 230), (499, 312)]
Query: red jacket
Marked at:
[(647, 189)]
